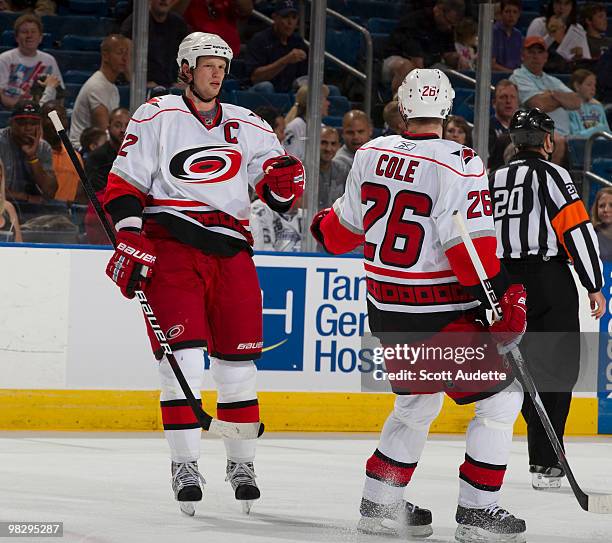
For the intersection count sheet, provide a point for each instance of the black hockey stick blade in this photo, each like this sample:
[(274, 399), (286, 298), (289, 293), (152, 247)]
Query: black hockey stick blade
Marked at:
[(228, 430), (593, 503)]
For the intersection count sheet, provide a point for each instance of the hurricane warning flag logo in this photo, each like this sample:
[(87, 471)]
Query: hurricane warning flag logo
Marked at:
[(207, 164)]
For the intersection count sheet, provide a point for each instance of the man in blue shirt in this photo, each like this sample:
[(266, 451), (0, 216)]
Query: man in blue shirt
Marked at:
[(277, 56), (507, 39), (546, 92)]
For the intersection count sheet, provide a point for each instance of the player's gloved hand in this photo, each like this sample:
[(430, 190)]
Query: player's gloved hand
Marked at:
[(508, 331), (283, 179), (132, 264), (315, 227)]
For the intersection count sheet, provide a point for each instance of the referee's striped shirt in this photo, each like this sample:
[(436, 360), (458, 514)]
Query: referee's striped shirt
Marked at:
[(538, 213)]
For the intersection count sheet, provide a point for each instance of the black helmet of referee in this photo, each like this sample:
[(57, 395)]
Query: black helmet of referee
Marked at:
[(529, 128)]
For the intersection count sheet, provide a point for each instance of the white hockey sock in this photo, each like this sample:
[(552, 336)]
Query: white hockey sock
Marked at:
[(181, 428), (402, 440), (236, 402), (488, 441)]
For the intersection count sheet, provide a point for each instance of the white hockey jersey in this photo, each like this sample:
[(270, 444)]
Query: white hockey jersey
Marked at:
[(273, 231), (191, 177), (400, 194)]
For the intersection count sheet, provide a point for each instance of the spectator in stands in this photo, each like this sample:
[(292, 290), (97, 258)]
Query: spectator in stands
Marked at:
[(466, 41), (274, 118), (505, 103), (26, 156), (67, 178), (97, 167), (356, 131), (591, 116), (24, 66), (277, 56), (421, 39), (92, 138), (166, 31), (556, 63), (295, 130), (219, 17), (9, 222), (457, 129), (332, 173), (566, 9), (394, 124), (99, 95), (507, 39), (594, 19), (544, 91), (601, 217)]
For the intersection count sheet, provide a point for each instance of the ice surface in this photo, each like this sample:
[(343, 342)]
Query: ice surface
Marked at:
[(116, 488)]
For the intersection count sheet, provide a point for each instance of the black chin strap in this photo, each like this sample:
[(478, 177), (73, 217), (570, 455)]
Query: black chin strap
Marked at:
[(198, 95)]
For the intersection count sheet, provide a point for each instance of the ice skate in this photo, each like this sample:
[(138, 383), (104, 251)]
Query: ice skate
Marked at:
[(187, 483), (400, 519), (491, 524), (543, 478), (241, 475)]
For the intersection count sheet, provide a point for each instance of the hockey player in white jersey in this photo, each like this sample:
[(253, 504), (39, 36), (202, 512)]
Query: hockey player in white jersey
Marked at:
[(178, 194), (274, 231), (400, 196)]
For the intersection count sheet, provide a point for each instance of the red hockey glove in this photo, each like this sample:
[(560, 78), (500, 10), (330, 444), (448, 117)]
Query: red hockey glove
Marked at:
[(315, 227), (132, 264), (510, 329), (284, 178)]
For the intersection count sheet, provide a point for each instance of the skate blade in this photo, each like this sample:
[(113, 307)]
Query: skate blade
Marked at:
[(187, 508), (246, 506), (472, 534), (391, 528)]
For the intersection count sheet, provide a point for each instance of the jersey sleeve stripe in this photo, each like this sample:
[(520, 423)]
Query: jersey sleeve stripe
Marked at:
[(457, 172), (408, 275)]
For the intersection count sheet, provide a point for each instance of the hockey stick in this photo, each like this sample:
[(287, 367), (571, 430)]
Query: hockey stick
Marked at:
[(598, 503), (229, 430)]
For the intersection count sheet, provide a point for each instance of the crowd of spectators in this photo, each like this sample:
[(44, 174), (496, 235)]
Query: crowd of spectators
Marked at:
[(532, 63)]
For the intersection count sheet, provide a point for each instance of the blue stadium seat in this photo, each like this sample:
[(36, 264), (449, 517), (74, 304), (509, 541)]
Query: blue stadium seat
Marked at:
[(463, 104), (338, 105), (238, 69), (230, 85), (7, 38), (76, 60), (79, 25), (8, 18), (603, 168), (81, 43), (379, 42), (601, 148), (89, 7), (333, 90), (4, 118), (253, 100), (381, 26), (77, 76), (124, 95), (72, 91), (343, 44), (366, 9), (331, 120)]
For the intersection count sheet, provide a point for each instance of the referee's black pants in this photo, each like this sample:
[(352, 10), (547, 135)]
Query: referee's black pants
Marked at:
[(551, 347)]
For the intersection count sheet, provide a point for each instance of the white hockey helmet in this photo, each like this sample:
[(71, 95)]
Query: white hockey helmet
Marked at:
[(203, 44), (425, 93)]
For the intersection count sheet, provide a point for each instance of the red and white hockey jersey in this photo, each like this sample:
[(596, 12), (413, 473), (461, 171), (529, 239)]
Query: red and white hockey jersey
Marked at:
[(192, 177), (400, 196)]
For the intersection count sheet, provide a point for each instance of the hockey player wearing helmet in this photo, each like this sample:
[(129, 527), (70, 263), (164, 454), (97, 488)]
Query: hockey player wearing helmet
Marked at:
[(541, 224), (399, 200), (178, 194)]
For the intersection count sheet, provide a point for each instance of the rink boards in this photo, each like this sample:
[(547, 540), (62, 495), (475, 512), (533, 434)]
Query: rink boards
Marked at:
[(74, 353)]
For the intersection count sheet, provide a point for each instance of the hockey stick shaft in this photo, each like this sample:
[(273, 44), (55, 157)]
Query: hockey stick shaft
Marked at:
[(225, 429), (591, 503)]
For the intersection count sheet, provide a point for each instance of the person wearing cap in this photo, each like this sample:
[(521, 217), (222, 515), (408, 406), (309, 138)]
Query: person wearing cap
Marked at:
[(277, 56), (26, 156), (544, 91)]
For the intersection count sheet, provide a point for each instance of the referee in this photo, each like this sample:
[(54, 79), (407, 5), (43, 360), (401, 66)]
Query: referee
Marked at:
[(541, 226)]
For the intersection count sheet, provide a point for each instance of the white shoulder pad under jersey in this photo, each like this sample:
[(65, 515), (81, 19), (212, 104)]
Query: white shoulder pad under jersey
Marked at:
[(401, 193), (182, 164)]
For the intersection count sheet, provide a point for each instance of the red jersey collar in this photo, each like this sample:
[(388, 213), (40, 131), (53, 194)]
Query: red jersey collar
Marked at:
[(196, 113)]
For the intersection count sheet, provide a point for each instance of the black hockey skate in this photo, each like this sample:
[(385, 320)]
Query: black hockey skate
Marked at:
[(400, 519), (187, 484), (241, 475), (491, 524), (543, 478)]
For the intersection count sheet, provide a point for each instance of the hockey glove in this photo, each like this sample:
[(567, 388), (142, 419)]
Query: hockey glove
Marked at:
[(132, 264), (510, 329), (283, 180), (315, 227)]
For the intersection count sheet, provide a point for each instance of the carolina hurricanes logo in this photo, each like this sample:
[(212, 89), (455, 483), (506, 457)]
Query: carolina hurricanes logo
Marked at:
[(466, 154), (209, 164)]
